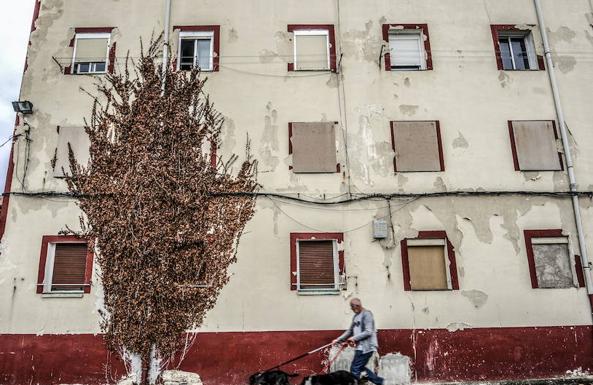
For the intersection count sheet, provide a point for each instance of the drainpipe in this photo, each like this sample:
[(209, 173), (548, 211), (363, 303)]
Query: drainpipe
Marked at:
[(166, 45), (567, 153)]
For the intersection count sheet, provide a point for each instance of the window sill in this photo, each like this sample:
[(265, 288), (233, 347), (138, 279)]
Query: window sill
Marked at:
[(318, 292), (320, 70), (63, 295), (435, 290), (528, 70), (88, 74)]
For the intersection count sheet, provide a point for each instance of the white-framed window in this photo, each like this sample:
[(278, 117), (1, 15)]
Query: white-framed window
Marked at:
[(554, 262), (429, 264), (65, 268), (196, 49), (317, 265), (91, 53), (517, 50), (406, 48), (311, 50)]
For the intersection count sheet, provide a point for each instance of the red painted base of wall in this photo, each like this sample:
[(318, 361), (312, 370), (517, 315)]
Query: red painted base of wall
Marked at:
[(229, 358)]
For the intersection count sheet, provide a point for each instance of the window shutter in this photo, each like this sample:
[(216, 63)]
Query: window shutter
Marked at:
[(535, 146), (316, 265), (91, 50), (417, 146), (406, 50), (79, 142), (427, 268), (69, 266), (314, 147), (311, 52)]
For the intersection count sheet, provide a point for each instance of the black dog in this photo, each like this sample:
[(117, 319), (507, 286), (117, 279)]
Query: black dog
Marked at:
[(341, 377), (271, 377)]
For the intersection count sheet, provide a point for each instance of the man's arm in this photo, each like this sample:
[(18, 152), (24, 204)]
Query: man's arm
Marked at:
[(368, 327)]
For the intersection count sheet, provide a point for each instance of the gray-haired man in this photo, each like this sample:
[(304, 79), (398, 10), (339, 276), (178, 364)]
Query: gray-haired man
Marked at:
[(363, 333)]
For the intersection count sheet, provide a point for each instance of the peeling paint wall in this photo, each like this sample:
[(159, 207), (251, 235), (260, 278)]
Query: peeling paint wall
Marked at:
[(467, 94)]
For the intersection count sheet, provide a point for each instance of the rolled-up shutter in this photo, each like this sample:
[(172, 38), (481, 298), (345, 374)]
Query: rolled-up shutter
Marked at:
[(91, 50), (69, 267), (316, 265)]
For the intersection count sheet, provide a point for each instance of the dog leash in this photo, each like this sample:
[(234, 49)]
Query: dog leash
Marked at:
[(299, 357), (330, 362)]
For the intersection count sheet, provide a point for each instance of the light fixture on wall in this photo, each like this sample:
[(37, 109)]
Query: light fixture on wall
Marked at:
[(24, 107)]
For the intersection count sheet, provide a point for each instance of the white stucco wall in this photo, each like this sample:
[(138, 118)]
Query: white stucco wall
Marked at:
[(472, 100)]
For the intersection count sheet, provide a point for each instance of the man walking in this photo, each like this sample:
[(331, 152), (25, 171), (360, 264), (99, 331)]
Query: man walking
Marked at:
[(363, 333)]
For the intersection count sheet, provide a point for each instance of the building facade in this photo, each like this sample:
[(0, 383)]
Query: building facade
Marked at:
[(411, 154)]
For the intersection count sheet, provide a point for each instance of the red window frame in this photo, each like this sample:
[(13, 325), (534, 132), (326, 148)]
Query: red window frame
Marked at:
[(439, 143), (422, 27), (45, 241), (295, 237), (338, 166), (112, 48), (495, 29), (333, 67), (514, 144), (450, 255), (215, 29), (548, 233)]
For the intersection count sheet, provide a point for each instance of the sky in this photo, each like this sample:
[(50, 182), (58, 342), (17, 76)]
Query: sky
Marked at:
[(15, 25)]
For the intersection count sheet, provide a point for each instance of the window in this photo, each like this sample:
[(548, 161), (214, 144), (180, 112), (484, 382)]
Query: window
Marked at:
[(76, 139), (533, 144), (313, 147), (195, 50), (199, 47), (314, 48), (515, 49), (65, 266), (408, 47), (93, 52), (551, 261), (429, 262), (317, 262), (417, 145)]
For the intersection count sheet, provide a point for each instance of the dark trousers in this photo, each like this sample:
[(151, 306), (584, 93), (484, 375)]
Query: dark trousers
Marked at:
[(359, 365)]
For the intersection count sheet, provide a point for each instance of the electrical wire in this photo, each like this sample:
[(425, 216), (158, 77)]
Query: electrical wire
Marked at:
[(353, 198)]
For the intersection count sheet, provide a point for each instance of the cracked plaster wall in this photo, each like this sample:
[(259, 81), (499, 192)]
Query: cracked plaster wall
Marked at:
[(465, 92)]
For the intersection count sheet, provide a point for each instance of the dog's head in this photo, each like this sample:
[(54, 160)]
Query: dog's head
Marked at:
[(256, 378), (273, 377)]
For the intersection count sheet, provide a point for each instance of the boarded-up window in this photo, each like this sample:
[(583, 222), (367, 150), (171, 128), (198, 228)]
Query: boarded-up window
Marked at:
[(311, 50), (69, 266), (316, 264), (79, 142), (428, 262), (534, 146), (551, 258), (428, 269), (417, 146), (313, 147), (91, 53)]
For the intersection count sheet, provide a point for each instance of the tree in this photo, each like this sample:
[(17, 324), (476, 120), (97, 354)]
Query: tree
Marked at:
[(163, 219)]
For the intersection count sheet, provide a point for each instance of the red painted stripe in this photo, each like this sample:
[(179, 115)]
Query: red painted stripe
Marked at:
[(229, 358)]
